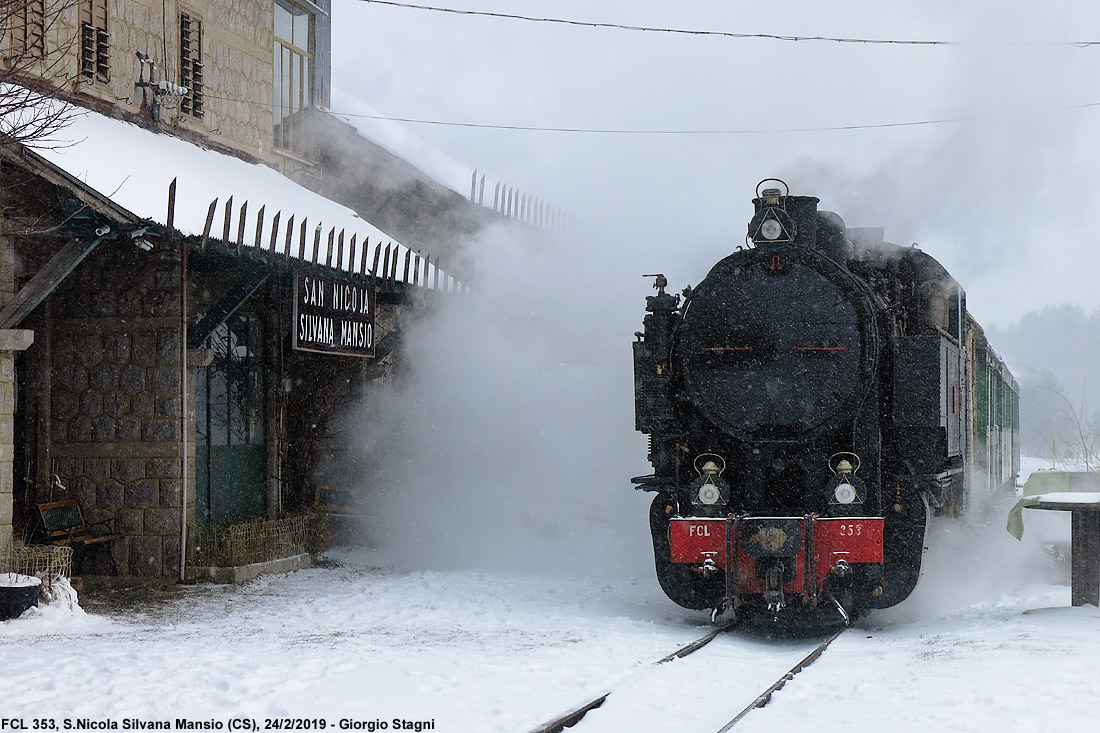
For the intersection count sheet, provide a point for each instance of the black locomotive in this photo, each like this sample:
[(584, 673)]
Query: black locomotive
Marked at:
[(810, 404)]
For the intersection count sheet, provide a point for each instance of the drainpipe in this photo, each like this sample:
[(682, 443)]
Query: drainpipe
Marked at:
[(183, 410)]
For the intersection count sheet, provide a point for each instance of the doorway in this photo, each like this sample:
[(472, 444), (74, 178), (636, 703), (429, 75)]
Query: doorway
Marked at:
[(230, 451)]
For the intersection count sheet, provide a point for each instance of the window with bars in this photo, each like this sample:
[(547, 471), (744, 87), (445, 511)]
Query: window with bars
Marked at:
[(95, 41), (293, 75), (191, 70), (27, 24)]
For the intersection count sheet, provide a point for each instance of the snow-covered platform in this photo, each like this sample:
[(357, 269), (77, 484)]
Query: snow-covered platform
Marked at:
[(485, 652)]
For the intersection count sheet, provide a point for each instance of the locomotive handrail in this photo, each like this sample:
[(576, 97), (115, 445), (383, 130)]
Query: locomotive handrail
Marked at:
[(786, 188), (855, 469)]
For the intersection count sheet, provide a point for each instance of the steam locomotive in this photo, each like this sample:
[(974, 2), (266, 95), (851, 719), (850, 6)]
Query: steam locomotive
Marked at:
[(810, 405)]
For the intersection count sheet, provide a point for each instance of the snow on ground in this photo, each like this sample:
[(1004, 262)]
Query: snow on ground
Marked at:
[(475, 652), (500, 651), (987, 642)]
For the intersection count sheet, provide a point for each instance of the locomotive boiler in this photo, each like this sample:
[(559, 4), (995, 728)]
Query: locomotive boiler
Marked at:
[(809, 405)]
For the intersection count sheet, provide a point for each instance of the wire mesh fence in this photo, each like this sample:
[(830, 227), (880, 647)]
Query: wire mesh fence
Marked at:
[(50, 563), (252, 542)]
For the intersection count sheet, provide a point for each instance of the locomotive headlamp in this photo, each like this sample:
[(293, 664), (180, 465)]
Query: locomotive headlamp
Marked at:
[(772, 225), (771, 229), (845, 493), (709, 494)]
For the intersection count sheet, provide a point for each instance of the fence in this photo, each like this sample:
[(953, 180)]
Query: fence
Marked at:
[(47, 562), (520, 206), (272, 237), (252, 542)]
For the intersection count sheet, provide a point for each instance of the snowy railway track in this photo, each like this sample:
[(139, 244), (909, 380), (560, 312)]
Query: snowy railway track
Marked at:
[(575, 715), (763, 698)]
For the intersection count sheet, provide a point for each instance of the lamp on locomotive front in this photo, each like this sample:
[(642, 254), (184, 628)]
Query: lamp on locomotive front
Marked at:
[(771, 229), (846, 492), (710, 489), (771, 224), (708, 492)]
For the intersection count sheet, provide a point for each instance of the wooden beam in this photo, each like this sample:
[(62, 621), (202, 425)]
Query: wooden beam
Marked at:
[(228, 219), (43, 283), (259, 227), (301, 241), (240, 225), (209, 223), (289, 237), (230, 302), (171, 204)]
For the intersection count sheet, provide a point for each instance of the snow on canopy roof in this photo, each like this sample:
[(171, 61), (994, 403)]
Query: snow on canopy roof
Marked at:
[(395, 137), (402, 142), (134, 167)]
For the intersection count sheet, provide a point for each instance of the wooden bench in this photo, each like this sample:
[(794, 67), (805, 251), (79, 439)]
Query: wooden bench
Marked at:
[(338, 501), (64, 525), (344, 511)]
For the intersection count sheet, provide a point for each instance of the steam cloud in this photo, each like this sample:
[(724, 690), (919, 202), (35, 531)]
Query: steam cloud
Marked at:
[(509, 441)]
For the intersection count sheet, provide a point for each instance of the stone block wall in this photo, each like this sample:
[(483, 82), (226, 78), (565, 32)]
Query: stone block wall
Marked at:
[(113, 397), (237, 57), (237, 53)]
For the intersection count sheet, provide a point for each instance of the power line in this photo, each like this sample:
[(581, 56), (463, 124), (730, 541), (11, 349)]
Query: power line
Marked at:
[(615, 131), (727, 34), (656, 131)]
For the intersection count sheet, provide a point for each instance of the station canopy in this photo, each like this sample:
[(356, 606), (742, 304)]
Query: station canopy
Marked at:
[(135, 167)]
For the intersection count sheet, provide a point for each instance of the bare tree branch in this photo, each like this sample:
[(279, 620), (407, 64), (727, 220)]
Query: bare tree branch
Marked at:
[(1082, 439), (37, 41)]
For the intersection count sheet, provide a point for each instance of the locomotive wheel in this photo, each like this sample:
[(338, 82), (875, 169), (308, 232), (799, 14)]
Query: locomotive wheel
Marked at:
[(679, 581)]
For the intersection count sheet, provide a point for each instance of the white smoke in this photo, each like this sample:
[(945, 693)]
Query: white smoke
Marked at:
[(973, 561), (509, 441)]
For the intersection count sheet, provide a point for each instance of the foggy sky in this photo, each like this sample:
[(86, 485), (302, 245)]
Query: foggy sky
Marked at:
[(510, 438), (1004, 199)]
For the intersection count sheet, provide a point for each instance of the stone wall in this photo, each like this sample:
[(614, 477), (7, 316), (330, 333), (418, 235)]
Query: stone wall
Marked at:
[(237, 53), (113, 400)]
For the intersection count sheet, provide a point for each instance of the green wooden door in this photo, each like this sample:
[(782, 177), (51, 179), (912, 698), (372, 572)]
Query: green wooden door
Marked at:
[(230, 453)]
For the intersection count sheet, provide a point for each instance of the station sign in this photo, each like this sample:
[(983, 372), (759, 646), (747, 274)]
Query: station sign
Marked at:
[(333, 317)]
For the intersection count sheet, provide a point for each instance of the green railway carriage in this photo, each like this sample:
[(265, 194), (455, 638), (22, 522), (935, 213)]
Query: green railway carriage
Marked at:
[(994, 418)]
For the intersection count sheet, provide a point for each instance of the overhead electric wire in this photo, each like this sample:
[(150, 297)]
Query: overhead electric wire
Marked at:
[(626, 131), (614, 131), (725, 34)]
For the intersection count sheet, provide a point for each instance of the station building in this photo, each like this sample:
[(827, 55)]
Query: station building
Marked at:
[(182, 314)]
